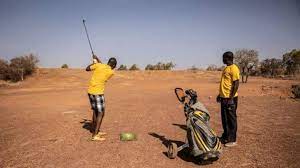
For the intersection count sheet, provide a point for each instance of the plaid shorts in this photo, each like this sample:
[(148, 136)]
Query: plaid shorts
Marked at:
[(97, 103)]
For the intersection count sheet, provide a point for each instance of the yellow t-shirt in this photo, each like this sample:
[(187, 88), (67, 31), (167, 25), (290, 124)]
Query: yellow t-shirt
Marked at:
[(101, 73), (230, 73)]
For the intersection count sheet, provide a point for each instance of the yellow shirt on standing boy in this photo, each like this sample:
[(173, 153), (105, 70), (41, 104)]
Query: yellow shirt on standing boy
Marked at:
[(230, 73)]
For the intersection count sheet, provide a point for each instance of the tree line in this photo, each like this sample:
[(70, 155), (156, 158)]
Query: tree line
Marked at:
[(158, 66), (249, 64), (20, 67)]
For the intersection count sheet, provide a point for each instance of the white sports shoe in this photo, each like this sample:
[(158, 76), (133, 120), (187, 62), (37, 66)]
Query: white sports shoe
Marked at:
[(230, 144)]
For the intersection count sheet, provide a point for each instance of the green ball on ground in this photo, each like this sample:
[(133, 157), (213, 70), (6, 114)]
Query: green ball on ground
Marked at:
[(128, 136)]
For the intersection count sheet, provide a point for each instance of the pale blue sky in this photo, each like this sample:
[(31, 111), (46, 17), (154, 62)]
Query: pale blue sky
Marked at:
[(188, 32)]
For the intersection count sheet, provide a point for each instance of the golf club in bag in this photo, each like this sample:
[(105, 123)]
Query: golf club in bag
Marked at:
[(203, 142)]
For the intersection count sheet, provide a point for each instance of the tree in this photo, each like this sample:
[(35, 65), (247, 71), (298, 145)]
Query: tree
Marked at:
[(168, 66), (22, 66), (65, 66), (296, 91), (149, 67), (212, 68), (134, 67), (160, 66), (247, 60), (16, 70), (4, 69), (291, 62), (271, 67), (122, 68), (29, 64), (193, 68)]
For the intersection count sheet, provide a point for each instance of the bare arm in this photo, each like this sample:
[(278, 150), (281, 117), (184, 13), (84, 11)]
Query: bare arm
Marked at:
[(88, 68), (234, 88), (96, 58)]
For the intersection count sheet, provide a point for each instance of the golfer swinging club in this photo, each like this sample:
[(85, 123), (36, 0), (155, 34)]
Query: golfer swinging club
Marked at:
[(101, 73)]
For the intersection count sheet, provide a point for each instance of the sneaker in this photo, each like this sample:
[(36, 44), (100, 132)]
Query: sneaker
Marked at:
[(101, 133), (97, 138), (223, 140), (230, 144)]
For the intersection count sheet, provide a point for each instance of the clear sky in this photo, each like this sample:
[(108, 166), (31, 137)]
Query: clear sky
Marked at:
[(187, 32)]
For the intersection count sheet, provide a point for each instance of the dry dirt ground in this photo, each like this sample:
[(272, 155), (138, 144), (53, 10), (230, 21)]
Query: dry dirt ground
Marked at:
[(44, 121)]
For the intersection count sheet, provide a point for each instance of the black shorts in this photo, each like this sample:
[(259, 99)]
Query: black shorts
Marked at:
[(97, 102)]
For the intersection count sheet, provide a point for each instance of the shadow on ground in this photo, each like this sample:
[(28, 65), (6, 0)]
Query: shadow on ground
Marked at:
[(180, 126), (184, 154), (87, 124)]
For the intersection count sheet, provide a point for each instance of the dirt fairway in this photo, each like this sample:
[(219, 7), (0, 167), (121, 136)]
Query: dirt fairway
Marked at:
[(44, 121)]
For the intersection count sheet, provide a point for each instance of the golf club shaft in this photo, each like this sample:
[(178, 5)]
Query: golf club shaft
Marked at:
[(87, 35)]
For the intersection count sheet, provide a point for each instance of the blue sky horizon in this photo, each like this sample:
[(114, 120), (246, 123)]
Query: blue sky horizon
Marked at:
[(187, 32)]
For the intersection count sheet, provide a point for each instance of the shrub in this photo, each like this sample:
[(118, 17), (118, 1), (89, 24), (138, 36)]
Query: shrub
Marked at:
[(271, 67), (193, 68), (4, 69), (149, 67), (65, 66), (134, 67), (160, 66), (212, 68), (296, 91), (16, 74), (122, 68), (27, 63), (291, 61), (19, 67), (168, 66), (255, 71)]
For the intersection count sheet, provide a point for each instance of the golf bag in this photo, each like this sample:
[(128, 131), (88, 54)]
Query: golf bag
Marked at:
[(202, 140)]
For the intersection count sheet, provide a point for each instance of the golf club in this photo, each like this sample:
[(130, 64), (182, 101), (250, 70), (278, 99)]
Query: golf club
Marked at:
[(87, 35)]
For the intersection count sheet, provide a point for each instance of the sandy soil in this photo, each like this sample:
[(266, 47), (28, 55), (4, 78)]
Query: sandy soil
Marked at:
[(44, 121)]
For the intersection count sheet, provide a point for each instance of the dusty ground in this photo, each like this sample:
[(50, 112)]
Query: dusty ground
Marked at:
[(44, 121)]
